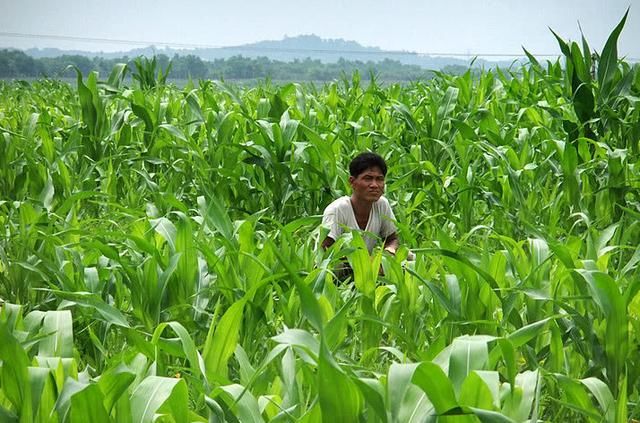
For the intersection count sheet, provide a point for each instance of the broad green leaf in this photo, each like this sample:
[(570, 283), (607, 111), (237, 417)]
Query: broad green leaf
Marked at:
[(611, 302), (154, 392), (171, 129), (365, 267), (509, 356), (340, 398), (526, 333), (480, 389), (373, 393), (87, 405), (221, 342), (42, 391), (188, 346), (58, 326), (518, 405), (438, 387), (577, 396), (14, 376), (608, 63), (467, 354), (240, 400), (310, 306), (166, 229), (216, 217), (108, 313), (114, 383), (300, 338), (81, 401), (398, 383)]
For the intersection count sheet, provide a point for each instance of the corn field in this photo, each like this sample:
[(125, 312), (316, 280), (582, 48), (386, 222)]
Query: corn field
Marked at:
[(160, 260)]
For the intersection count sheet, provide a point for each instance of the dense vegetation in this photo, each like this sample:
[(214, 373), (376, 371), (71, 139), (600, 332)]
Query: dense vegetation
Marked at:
[(159, 248), (17, 64)]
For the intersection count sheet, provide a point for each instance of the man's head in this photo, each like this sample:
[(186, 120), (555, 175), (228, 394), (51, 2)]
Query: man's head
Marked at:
[(364, 161), (367, 176)]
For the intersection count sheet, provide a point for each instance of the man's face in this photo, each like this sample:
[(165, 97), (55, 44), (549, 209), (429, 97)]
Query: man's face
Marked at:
[(369, 185)]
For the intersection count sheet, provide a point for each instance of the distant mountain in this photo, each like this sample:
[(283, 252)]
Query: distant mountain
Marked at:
[(300, 47)]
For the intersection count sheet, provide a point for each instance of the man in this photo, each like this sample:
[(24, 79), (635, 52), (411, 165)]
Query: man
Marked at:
[(366, 209)]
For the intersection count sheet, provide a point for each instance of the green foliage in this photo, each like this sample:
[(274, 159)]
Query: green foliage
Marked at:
[(148, 72)]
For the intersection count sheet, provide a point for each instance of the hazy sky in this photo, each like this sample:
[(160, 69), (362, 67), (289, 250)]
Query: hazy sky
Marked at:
[(449, 26)]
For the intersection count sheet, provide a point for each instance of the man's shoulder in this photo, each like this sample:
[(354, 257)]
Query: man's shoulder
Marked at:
[(337, 204), (383, 202)]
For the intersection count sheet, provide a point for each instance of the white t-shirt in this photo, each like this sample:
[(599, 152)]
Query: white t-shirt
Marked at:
[(340, 213)]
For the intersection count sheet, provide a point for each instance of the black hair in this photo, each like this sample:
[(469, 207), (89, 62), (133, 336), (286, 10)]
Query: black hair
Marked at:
[(364, 161)]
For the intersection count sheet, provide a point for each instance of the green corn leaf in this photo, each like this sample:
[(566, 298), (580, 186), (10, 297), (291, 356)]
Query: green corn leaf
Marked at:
[(509, 356), (247, 371), (531, 57), (523, 335), (474, 392), (586, 51), (216, 217), (43, 392), (11, 316), (107, 313), (611, 302), (603, 395), (221, 342), (58, 326), (564, 47), (188, 346), (87, 405), (240, 400), (194, 105), (438, 387), (398, 384), (171, 129), (373, 394), (166, 229), (621, 402), (117, 75), (486, 416), (579, 65), (609, 58), (518, 405), (185, 276), (365, 269), (154, 393), (80, 401), (467, 354), (14, 374), (114, 383), (340, 398), (310, 305), (577, 396), (89, 112), (299, 338)]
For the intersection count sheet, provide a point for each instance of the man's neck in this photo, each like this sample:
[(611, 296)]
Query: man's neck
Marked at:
[(360, 207)]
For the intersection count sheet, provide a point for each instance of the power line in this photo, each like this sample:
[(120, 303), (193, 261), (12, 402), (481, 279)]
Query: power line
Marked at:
[(100, 40), (259, 49)]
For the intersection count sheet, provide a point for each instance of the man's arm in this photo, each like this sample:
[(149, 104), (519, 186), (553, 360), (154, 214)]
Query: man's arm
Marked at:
[(328, 242), (391, 243)]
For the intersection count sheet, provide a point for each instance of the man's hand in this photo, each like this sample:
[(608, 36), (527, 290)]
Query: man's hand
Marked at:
[(391, 244)]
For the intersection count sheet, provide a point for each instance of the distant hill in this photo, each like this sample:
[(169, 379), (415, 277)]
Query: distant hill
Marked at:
[(288, 49)]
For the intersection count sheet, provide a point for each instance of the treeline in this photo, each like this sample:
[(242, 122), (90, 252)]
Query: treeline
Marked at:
[(17, 64)]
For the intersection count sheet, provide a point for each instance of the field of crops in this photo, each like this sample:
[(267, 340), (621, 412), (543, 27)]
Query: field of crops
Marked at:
[(159, 253)]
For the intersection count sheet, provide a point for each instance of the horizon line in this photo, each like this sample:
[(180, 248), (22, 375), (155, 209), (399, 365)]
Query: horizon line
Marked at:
[(166, 45)]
